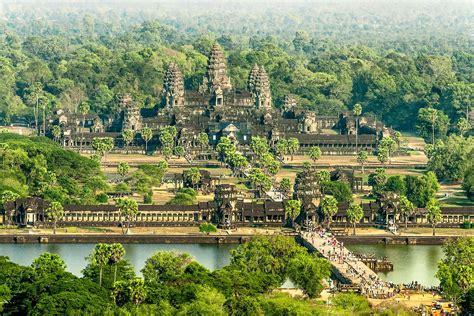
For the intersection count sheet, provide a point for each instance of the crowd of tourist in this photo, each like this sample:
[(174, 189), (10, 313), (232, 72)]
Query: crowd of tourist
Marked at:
[(350, 264)]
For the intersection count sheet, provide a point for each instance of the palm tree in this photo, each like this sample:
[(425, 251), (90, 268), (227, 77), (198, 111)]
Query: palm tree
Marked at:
[(292, 210), (54, 212), (43, 102), (329, 208), (35, 92), (128, 136), (194, 176), (293, 146), (406, 208), (128, 209), (354, 215), (433, 213), (357, 112), (116, 254), (101, 256), (84, 109), (282, 147), (56, 131), (362, 158), (315, 153), (147, 135), (122, 169)]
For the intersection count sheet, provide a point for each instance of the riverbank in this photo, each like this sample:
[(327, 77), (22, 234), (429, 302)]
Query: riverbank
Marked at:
[(191, 235)]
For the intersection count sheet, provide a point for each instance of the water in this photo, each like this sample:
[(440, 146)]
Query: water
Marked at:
[(413, 262), (410, 262), (210, 256)]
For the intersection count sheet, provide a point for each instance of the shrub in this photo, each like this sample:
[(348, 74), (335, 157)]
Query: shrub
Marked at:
[(102, 198), (207, 228), (466, 225)]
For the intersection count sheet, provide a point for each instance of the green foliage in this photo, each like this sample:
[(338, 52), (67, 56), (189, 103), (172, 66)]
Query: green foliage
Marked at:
[(48, 263), (36, 165), (421, 189), (354, 214), (128, 209), (186, 196), (207, 228), (328, 207), (340, 190), (308, 272), (315, 153), (432, 124), (165, 267), (456, 269), (352, 303), (293, 209), (450, 159)]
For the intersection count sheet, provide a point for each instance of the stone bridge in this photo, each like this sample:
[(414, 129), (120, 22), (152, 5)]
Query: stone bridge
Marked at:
[(346, 268)]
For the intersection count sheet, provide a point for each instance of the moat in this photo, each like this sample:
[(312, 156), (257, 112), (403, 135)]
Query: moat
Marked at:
[(411, 263)]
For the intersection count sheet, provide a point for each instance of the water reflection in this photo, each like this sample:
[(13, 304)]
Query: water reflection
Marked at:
[(410, 262), (210, 256), (413, 262)]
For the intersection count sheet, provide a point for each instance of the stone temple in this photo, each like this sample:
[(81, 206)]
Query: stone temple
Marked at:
[(219, 109)]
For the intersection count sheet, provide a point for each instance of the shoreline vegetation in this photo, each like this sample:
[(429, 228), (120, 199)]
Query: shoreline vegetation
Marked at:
[(175, 284)]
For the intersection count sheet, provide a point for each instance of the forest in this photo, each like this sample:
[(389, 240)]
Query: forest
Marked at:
[(328, 56)]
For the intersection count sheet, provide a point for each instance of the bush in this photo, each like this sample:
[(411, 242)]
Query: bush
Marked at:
[(102, 198), (207, 228), (466, 225), (147, 198)]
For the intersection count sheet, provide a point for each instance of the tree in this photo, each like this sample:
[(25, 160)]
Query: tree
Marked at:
[(352, 303), (35, 92), (128, 209), (146, 134), (193, 175), (84, 109), (48, 264), (285, 186), (354, 214), (202, 140), (329, 208), (357, 111), (54, 212), (315, 153), (463, 126), (259, 147), (179, 151), (282, 147), (362, 158), (436, 119), (56, 131), (293, 146), (292, 210), (123, 168), (420, 189), (389, 144), (165, 267), (102, 145), (397, 137), (456, 269), (433, 213), (259, 180), (131, 291), (450, 158), (308, 272), (128, 135), (406, 208), (382, 155), (116, 254), (100, 256)]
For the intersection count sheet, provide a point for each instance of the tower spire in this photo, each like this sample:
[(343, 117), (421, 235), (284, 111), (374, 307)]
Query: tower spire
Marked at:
[(262, 89), (173, 86), (216, 77)]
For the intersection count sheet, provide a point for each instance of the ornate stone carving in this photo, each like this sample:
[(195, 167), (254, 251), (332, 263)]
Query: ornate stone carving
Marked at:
[(131, 113)]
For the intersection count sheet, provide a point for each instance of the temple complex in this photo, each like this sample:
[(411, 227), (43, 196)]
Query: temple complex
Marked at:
[(219, 109)]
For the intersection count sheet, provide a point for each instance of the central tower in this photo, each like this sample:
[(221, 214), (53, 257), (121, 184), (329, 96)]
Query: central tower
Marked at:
[(216, 81)]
